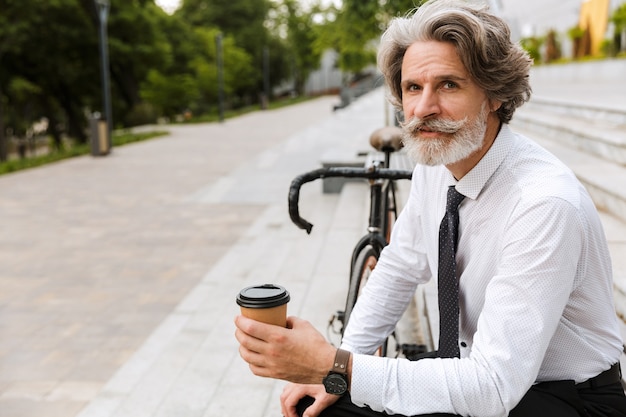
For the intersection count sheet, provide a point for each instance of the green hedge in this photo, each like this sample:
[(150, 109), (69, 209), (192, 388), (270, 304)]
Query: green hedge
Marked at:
[(72, 151)]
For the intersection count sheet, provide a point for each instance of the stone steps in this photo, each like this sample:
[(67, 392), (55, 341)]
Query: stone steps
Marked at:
[(589, 139), (589, 111), (594, 130)]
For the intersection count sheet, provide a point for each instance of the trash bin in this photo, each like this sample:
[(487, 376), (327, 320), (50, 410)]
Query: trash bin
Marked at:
[(99, 133)]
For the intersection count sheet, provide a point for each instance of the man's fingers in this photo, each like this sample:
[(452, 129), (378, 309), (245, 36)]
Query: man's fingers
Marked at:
[(260, 330), (322, 402), (249, 342), (288, 400), (257, 363), (293, 393), (253, 358), (293, 321), (313, 410), (252, 327)]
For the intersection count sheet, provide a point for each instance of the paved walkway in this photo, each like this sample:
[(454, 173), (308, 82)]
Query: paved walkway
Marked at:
[(95, 254), (118, 275)]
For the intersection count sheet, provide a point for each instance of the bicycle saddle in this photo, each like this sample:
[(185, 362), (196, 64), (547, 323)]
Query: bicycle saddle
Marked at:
[(387, 139)]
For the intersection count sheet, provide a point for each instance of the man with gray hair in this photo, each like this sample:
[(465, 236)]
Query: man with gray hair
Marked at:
[(528, 325)]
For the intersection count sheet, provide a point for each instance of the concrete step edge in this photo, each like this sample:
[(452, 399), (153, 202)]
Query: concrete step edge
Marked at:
[(606, 143), (596, 130), (579, 110)]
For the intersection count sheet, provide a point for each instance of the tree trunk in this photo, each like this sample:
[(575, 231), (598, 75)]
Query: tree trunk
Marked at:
[(75, 128), (73, 118), (3, 138), (53, 125), (53, 130)]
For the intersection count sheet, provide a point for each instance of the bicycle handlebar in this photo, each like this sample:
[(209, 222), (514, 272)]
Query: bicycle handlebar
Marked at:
[(344, 172)]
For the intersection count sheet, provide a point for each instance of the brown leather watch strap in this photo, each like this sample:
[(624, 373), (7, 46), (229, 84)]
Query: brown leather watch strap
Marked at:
[(340, 365)]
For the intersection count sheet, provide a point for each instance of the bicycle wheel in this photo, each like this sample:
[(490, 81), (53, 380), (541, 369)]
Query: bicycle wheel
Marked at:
[(363, 266), (390, 211), (365, 263)]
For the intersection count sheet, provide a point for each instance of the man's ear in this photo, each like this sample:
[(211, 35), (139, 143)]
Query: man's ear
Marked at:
[(494, 105)]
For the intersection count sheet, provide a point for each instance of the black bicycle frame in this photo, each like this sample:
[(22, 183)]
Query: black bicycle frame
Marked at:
[(374, 237)]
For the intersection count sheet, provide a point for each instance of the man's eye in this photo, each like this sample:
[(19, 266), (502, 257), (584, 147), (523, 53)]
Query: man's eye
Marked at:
[(449, 84)]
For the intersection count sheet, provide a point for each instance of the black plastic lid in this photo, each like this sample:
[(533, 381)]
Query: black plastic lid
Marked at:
[(263, 296)]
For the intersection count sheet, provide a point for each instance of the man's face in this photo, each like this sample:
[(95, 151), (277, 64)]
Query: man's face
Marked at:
[(446, 112)]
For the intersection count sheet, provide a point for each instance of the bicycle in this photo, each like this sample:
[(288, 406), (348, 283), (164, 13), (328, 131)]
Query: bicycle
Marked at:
[(382, 215)]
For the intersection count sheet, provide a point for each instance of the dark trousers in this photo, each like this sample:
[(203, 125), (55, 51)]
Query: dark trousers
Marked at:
[(553, 399)]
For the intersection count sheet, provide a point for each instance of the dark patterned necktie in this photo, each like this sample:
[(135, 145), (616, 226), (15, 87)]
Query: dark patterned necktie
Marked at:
[(448, 283)]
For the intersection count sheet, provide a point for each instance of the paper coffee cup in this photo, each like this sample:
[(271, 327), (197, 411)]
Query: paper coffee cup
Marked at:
[(266, 303)]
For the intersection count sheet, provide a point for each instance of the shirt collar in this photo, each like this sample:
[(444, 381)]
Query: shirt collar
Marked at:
[(473, 182)]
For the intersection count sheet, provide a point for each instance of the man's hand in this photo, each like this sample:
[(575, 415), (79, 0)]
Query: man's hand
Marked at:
[(293, 393), (298, 353)]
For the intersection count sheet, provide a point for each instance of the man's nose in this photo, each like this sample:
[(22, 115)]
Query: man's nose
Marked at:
[(426, 105)]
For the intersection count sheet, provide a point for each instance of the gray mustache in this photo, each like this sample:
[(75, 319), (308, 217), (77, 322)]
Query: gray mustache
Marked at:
[(415, 124)]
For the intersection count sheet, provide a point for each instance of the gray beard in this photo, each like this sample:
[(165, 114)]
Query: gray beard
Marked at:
[(466, 139)]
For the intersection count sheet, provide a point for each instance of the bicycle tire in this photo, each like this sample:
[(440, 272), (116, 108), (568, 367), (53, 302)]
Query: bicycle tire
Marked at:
[(365, 263), (390, 210)]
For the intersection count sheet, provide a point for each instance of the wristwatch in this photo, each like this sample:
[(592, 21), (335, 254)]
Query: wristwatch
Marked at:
[(336, 382)]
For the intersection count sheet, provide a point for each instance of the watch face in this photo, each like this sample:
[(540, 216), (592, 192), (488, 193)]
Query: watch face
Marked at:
[(336, 384)]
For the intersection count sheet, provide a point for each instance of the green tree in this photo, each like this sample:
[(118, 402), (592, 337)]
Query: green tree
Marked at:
[(183, 45), (354, 29), (194, 86), (238, 68), (243, 20), (54, 57), (12, 34), (55, 47), (533, 45), (24, 97), (359, 26), (170, 95), (618, 18), (137, 46), (300, 28), (50, 62)]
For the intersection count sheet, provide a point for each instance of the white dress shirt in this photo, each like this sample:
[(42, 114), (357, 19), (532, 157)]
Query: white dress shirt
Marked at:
[(535, 279)]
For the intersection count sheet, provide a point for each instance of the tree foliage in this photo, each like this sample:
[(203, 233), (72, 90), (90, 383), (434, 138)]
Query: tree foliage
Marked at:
[(161, 64), (51, 57), (299, 27), (50, 64), (618, 18), (241, 20), (354, 29)]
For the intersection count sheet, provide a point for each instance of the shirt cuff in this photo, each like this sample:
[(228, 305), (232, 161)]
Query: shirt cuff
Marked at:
[(367, 382)]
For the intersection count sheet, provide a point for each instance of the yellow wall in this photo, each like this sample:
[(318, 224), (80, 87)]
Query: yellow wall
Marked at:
[(594, 16)]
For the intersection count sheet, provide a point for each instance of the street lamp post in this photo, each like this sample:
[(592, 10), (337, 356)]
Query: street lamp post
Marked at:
[(220, 75), (103, 13), (266, 77)]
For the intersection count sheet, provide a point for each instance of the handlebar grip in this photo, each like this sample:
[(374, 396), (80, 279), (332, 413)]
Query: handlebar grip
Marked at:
[(294, 197)]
